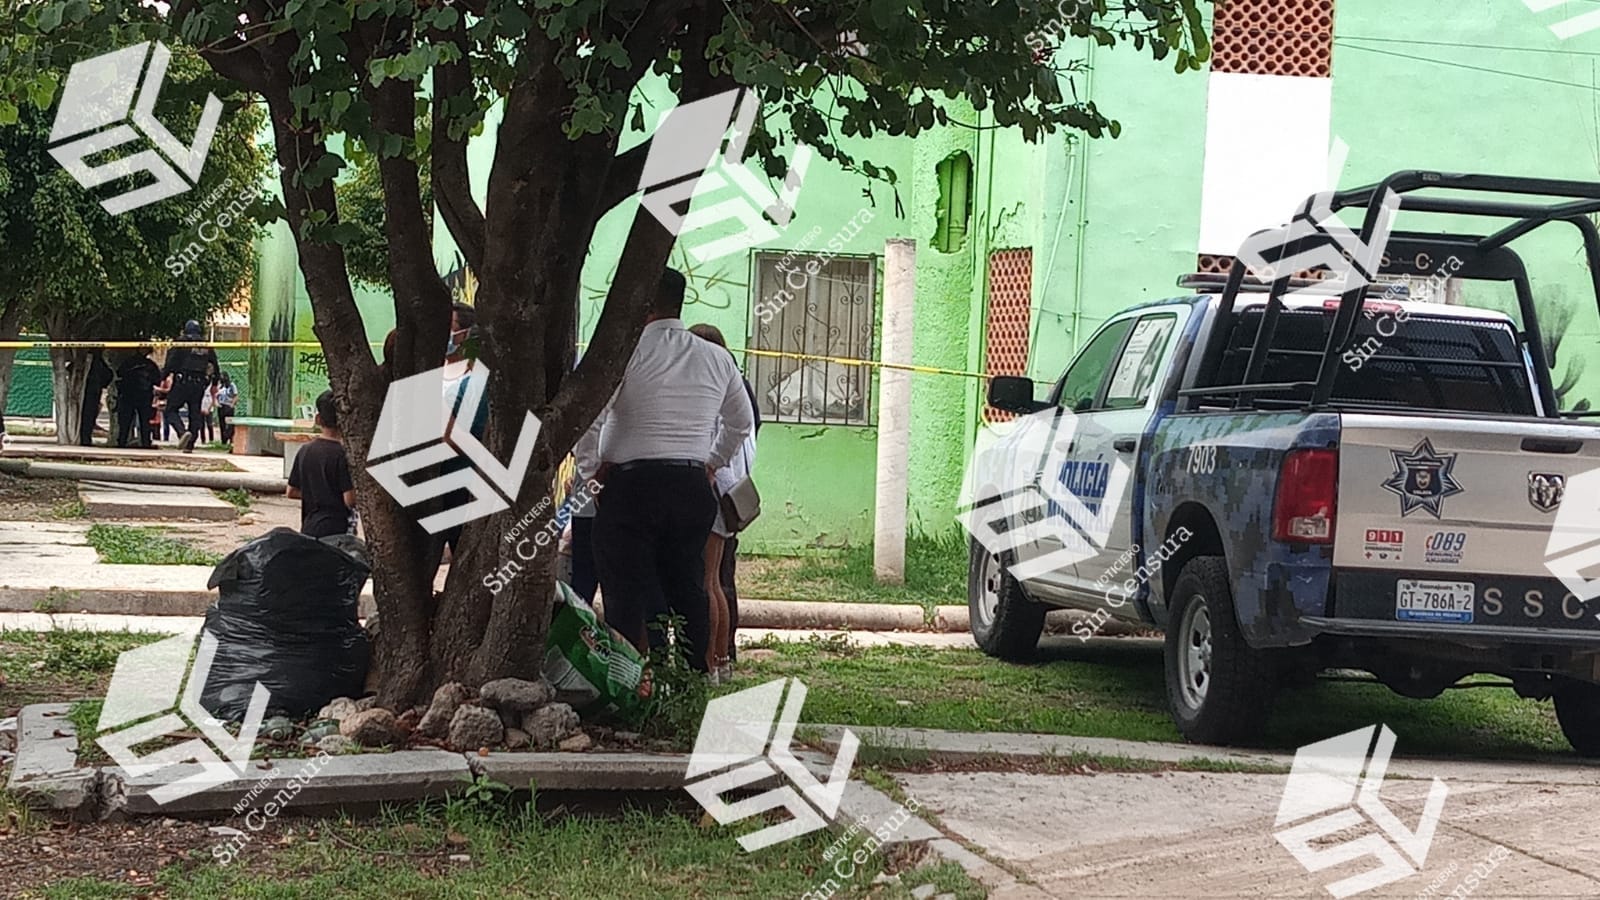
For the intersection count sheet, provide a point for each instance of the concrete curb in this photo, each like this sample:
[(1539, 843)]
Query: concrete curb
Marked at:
[(965, 747), (45, 774), (317, 781), (46, 771), (583, 771), (220, 481), (142, 595)]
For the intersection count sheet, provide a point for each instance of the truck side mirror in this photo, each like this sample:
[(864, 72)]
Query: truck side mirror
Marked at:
[(1013, 393)]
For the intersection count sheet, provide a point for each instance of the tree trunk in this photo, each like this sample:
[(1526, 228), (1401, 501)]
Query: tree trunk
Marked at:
[(67, 383), (10, 330)]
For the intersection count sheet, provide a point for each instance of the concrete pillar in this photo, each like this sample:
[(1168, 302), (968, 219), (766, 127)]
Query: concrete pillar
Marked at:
[(894, 411)]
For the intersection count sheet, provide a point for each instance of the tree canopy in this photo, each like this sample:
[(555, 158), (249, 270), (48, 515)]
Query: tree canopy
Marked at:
[(75, 271)]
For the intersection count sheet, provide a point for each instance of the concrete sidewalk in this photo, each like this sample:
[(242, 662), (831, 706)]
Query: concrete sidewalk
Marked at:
[(1520, 829)]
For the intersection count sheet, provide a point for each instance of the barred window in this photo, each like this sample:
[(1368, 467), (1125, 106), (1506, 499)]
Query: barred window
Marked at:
[(826, 314)]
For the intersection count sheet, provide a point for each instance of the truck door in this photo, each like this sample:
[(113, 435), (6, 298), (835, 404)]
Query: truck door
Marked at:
[(1101, 459)]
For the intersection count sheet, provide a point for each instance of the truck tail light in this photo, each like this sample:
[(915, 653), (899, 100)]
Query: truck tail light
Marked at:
[(1308, 493)]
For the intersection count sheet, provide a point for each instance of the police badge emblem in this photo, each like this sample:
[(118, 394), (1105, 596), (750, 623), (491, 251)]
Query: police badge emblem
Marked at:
[(1422, 479)]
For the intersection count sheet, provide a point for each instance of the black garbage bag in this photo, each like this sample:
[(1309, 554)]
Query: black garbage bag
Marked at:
[(287, 617)]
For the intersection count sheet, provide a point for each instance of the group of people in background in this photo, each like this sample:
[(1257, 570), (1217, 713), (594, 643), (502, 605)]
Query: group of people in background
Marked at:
[(188, 397)]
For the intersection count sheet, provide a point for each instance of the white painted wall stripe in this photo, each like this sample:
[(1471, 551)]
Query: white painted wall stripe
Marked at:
[(1267, 139)]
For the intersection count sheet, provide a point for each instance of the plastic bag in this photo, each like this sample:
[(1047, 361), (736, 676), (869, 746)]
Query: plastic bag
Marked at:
[(592, 668), (286, 617)]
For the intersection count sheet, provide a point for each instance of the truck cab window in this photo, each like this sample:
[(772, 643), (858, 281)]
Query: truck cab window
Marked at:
[(1080, 386), (1141, 360)]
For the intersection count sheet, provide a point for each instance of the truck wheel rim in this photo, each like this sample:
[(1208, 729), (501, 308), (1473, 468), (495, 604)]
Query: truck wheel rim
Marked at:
[(989, 589), (1194, 662)]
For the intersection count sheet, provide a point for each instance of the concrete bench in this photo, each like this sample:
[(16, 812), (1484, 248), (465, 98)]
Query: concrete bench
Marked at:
[(252, 435)]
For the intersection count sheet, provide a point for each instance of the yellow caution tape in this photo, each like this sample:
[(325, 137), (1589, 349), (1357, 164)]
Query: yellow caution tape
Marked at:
[(312, 345)]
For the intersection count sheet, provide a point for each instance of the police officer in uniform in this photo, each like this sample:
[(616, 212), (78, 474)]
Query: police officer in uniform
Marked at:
[(191, 370)]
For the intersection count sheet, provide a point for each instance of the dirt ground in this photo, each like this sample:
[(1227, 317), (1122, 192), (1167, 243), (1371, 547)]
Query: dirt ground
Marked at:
[(266, 513), (167, 462), (36, 852), (34, 499)]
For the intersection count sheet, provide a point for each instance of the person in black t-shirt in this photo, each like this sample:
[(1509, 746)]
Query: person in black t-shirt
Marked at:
[(321, 479)]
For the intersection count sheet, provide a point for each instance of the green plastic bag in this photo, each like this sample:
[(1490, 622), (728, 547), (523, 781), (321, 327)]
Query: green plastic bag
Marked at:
[(593, 669)]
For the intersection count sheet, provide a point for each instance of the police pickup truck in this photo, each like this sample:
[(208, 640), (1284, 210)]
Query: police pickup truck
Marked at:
[(1286, 479)]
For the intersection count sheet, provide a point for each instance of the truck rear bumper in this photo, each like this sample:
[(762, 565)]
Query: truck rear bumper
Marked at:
[(1470, 635)]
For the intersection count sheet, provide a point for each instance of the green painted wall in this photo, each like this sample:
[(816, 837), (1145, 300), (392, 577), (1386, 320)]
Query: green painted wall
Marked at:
[(1486, 88)]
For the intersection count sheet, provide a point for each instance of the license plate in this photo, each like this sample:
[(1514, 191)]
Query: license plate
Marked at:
[(1433, 601)]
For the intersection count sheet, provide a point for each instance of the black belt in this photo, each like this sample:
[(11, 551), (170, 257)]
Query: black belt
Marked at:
[(657, 464)]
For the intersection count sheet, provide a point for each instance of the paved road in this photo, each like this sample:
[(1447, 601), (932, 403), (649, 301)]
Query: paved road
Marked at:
[(1203, 835)]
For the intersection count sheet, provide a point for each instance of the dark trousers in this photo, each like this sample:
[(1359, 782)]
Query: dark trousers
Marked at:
[(133, 421), (186, 395), (730, 559), (86, 416), (224, 414), (649, 549), (584, 576)]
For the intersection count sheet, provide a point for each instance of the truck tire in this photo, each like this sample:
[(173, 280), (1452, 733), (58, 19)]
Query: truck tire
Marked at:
[(1219, 688), (1578, 711), (1004, 622)]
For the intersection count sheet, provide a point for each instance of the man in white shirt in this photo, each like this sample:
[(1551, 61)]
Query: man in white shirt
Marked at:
[(659, 444)]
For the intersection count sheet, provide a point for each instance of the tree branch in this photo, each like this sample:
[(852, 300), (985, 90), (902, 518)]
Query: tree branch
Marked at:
[(421, 299), (452, 182)]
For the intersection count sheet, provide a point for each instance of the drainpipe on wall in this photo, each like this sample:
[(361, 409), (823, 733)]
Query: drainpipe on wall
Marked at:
[(894, 412), (1083, 213)]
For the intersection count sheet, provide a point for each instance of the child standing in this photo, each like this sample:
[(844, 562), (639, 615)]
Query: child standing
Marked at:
[(320, 478)]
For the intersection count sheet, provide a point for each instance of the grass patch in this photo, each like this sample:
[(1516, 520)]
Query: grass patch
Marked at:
[(142, 546), (51, 666), (1116, 693), (405, 854), (70, 509), (239, 497), (936, 574)]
